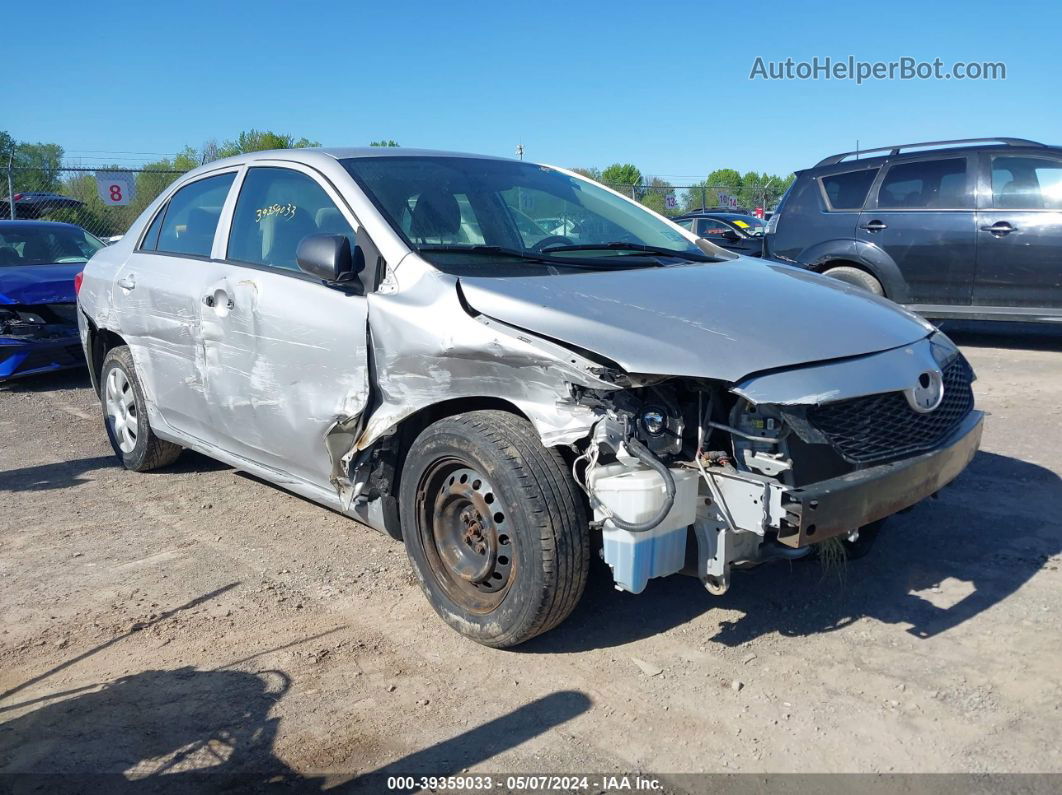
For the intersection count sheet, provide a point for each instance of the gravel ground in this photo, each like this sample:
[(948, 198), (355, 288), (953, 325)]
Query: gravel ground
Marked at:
[(198, 619)]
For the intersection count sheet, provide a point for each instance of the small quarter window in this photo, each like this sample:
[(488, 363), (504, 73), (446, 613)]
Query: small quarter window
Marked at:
[(151, 239), (191, 218), (848, 191)]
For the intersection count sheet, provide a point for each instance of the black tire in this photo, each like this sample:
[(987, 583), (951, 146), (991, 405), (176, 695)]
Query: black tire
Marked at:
[(147, 451), (494, 526), (856, 277)]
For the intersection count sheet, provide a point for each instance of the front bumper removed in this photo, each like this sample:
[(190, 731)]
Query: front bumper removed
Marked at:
[(840, 505)]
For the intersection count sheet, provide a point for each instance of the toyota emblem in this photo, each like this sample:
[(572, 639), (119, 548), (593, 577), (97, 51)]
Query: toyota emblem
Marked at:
[(927, 392)]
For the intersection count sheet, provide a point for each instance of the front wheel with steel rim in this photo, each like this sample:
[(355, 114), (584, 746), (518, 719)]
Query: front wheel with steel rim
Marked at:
[(494, 527), (125, 415)]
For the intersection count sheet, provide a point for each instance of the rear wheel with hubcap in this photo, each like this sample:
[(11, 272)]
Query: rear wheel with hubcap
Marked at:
[(494, 527), (125, 415)]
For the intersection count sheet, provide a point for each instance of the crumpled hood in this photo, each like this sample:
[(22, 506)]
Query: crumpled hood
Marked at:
[(721, 320), (38, 284)]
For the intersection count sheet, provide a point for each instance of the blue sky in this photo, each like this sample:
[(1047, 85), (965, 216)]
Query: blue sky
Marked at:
[(665, 86)]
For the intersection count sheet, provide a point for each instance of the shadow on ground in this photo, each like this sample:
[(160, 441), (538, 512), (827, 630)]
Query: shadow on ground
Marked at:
[(983, 538), (62, 380), (64, 474), (188, 730)]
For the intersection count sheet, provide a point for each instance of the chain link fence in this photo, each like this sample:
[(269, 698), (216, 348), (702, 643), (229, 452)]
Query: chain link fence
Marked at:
[(107, 201), (673, 200), (103, 201)]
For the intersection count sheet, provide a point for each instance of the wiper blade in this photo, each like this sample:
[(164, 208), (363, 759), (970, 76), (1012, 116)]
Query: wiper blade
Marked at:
[(621, 246), (530, 256)]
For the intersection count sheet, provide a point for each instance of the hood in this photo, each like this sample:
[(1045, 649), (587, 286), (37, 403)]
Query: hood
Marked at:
[(39, 284), (721, 320)]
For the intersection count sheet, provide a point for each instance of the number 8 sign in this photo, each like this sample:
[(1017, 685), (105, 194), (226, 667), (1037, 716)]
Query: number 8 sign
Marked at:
[(115, 187)]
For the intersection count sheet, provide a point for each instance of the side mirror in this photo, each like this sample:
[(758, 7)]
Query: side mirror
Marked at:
[(731, 235), (329, 258)]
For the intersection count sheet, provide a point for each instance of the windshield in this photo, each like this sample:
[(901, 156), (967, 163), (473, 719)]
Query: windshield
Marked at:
[(500, 216), (44, 244), (751, 226)]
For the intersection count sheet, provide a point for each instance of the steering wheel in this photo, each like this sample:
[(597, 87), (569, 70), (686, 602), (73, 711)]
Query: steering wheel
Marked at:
[(552, 240)]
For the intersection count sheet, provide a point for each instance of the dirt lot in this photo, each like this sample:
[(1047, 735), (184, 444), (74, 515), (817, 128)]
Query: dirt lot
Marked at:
[(200, 619)]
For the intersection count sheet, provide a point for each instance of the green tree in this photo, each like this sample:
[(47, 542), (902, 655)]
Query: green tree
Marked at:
[(655, 193), (260, 140), (724, 178), (624, 177), (384, 142), (590, 173), (45, 162)]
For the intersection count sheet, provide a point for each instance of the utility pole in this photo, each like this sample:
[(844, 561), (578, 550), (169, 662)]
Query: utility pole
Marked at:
[(10, 187), (520, 151)]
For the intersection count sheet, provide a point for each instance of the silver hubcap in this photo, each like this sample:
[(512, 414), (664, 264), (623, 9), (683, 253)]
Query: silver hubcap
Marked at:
[(121, 409)]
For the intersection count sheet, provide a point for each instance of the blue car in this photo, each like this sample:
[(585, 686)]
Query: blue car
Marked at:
[(39, 261)]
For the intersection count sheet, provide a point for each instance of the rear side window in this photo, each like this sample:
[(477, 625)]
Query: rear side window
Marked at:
[(1026, 183), (190, 218), (848, 191), (712, 228), (277, 208), (925, 184)]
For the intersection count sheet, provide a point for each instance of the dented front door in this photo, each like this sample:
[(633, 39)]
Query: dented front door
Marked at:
[(285, 358), (285, 354)]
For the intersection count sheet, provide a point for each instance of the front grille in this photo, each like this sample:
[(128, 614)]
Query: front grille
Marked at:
[(879, 428)]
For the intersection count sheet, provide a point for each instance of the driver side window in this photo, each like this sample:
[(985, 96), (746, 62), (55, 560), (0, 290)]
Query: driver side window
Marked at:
[(277, 208)]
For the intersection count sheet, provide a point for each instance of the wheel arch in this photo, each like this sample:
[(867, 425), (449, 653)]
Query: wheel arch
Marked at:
[(392, 449), (859, 254), (99, 342)]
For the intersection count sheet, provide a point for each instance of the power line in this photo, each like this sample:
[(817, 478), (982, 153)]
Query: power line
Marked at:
[(119, 152)]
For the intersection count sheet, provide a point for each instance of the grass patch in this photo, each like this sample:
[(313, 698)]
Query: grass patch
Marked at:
[(833, 557)]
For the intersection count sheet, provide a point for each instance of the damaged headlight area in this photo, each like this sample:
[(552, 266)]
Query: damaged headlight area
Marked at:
[(38, 338), (685, 475)]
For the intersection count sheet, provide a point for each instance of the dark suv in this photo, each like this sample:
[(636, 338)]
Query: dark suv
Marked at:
[(957, 229)]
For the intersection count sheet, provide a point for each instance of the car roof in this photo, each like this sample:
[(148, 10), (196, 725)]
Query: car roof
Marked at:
[(314, 154), (325, 157), (9, 224), (1016, 145), (720, 215)]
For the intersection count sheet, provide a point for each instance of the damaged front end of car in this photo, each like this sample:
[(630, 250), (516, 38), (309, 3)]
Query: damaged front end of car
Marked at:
[(701, 477), (38, 338)]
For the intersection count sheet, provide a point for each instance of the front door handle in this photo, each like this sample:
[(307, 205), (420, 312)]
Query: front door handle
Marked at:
[(127, 282), (1000, 228), (875, 226)]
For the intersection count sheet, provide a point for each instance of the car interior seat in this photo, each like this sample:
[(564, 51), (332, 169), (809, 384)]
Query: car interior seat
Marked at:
[(436, 218), (281, 235), (1020, 192), (36, 250), (198, 234)]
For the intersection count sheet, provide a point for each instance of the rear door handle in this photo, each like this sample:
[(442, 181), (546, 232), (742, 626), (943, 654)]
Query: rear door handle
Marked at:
[(875, 226), (210, 300), (127, 282), (999, 228)]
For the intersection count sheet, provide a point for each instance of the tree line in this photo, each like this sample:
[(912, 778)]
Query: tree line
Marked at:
[(751, 189), (39, 167)]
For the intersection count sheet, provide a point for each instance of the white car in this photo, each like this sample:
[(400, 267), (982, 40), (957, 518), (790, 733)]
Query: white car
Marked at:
[(383, 332)]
